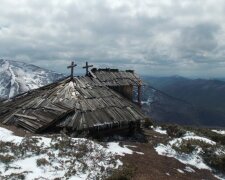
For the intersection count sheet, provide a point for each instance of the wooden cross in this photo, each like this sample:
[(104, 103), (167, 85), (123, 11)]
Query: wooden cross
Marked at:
[(71, 67), (87, 66)]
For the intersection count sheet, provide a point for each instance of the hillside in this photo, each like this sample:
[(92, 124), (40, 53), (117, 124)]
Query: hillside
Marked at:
[(200, 92), (174, 152), (206, 97), (153, 153), (164, 108), (17, 77)]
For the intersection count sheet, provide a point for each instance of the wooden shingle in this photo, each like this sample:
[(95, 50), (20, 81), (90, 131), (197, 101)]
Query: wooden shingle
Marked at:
[(112, 77)]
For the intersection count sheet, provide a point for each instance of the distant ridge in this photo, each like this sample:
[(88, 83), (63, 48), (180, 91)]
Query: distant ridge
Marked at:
[(164, 108), (207, 97)]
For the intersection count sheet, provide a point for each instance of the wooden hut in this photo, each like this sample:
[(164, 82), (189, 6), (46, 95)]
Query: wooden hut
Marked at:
[(76, 104)]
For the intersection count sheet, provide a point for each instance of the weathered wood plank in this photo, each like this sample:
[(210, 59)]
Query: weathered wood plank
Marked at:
[(26, 116)]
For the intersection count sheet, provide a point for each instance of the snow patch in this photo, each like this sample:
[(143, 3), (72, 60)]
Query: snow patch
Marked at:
[(141, 153), (194, 159), (189, 169), (8, 136), (180, 171), (219, 131), (190, 136), (191, 159), (220, 151), (159, 130), (116, 149)]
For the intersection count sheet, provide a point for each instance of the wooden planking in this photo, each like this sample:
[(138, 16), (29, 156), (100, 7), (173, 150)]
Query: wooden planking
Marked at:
[(76, 122), (54, 108), (117, 78), (65, 122), (25, 116), (28, 124)]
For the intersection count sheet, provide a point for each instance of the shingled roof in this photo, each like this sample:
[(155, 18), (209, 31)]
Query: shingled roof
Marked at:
[(77, 103), (114, 77)]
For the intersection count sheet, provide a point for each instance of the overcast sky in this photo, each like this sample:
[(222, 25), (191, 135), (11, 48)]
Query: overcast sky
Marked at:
[(155, 37)]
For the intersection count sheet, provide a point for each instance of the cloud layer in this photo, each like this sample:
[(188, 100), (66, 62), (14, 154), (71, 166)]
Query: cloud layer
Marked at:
[(163, 37)]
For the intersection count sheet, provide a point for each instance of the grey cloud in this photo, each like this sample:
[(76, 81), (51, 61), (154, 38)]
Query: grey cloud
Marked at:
[(200, 37), (153, 37)]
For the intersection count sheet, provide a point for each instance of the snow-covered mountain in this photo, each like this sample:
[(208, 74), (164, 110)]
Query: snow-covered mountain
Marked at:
[(17, 77)]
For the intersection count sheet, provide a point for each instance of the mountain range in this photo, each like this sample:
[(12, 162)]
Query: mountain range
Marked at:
[(205, 97), (17, 77), (205, 93), (164, 108)]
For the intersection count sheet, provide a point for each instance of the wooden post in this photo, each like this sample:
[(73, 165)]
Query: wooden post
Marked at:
[(71, 67), (86, 67), (139, 95)]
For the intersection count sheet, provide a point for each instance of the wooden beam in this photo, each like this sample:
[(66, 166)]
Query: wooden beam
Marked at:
[(25, 116), (139, 95)]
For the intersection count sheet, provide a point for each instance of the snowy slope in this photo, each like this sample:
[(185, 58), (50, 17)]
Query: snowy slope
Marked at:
[(57, 157), (17, 77)]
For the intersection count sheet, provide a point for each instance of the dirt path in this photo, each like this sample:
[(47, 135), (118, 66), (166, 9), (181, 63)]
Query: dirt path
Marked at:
[(153, 166)]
